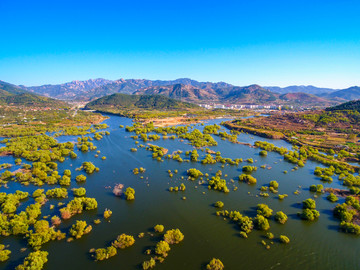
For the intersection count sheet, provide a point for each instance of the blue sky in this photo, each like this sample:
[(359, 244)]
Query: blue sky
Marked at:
[(240, 42)]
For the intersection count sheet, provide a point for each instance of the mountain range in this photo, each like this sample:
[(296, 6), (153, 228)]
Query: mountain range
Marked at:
[(189, 90)]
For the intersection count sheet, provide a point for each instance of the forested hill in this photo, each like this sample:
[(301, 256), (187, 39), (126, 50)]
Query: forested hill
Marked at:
[(351, 105), (149, 102), (15, 96)]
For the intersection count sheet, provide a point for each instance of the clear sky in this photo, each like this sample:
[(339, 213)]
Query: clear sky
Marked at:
[(267, 42)]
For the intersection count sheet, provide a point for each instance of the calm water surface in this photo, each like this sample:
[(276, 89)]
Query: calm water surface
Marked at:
[(314, 245)]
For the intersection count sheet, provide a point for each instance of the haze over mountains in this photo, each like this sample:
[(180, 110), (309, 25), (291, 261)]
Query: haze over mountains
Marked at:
[(185, 89)]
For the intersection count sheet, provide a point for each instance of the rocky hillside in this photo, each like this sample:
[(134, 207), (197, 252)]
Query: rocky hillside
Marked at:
[(67, 91), (181, 92), (252, 94)]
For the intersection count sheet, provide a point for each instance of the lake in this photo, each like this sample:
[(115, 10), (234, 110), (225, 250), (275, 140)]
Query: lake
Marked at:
[(314, 245)]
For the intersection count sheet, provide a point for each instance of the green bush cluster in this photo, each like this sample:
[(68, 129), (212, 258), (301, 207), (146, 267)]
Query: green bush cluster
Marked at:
[(346, 212), (105, 253), (4, 253), (194, 173), (245, 223), (42, 234), (247, 179), (129, 194), (89, 167), (123, 241), (217, 183), (215, 264), (316, 188), (57, 193), (80, 228), (35, 260), (77, 206), (181, 188), (309, 212)]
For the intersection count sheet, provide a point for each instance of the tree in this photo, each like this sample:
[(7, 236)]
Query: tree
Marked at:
[(41, 226), (284, 239), (162, 248), (149, 264), (316, 188), (249, 169), (173, 236), (219, 184), (159, 228), (67, 173), (105, 253), (80, 178), (269, 235), (261, 223), (349, 227), (219, 204), (4, 253), (194, 155), (79, 192), (194, 173), (38, 193), (309, 214), (123, 241), (65, 181), (263, 153), (57, 193), (248, 179), (89, 167), (107, 213), (281, 217), (215, 264), (264, 210), (35, 260), (332, 197), (130, 194), (79, 229), (274, 184), (309, 204), (182, 187)]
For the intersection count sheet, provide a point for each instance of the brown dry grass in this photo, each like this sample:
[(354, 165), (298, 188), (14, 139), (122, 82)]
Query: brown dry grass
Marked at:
[(171, 121)]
